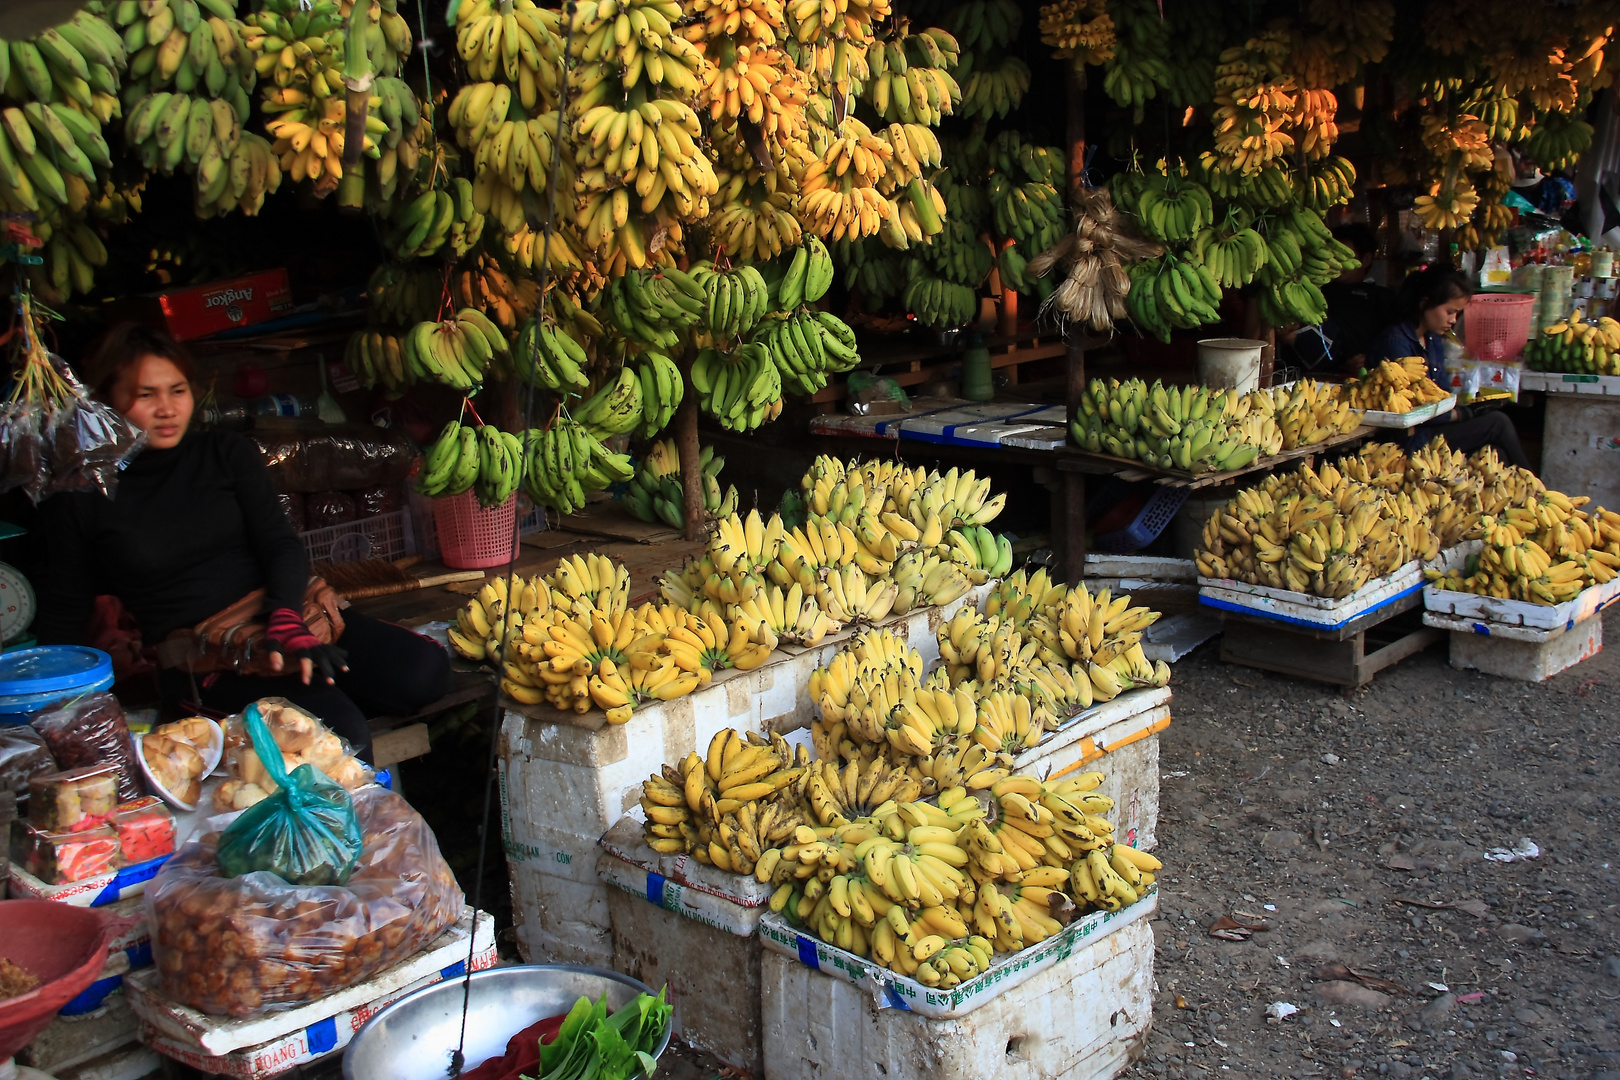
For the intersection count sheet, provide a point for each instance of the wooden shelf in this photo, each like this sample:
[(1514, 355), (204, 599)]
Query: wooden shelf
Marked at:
[(1077, 460), (923, 362)]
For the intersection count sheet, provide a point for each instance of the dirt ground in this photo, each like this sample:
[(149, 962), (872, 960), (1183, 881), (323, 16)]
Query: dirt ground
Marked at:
[(1360, 826)]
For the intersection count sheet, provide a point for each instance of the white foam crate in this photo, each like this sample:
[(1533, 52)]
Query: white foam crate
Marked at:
[(566, 779), (261, 1046), (703, 948), (1516, 652), (1120, 739), (1146, 568), (1379, 419), (625, 843), (1559, 382), (1300, 608), (1493, 611)]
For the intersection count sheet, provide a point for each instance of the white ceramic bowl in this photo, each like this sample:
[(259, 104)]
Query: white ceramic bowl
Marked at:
[(211, 755)]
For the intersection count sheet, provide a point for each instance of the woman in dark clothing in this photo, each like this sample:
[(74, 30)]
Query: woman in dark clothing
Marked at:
[(1431, 300), (195, 526)]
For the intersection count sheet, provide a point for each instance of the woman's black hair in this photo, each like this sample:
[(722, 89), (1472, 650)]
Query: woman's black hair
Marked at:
[(1429, 288), (122, 347)]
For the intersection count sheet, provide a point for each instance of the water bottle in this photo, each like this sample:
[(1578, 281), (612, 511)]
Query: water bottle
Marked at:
[(288, 405)]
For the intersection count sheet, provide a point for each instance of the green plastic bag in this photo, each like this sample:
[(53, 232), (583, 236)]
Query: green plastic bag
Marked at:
[(306, 833)]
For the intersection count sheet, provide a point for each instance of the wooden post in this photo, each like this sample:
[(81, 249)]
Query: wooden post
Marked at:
[(1071, 531), (686, 443)]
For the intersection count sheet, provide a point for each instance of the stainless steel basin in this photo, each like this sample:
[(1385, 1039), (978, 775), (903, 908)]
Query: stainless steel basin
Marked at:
[(413, 1038)]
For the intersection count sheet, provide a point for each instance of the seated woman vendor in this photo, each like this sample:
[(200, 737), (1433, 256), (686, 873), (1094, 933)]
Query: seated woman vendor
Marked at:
[(1430, 301), (193, 529)]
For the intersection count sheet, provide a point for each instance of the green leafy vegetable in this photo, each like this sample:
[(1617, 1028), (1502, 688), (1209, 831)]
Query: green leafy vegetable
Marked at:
[(591, 1045)]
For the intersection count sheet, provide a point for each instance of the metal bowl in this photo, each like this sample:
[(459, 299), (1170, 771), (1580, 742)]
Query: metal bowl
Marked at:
[(413, 1038)]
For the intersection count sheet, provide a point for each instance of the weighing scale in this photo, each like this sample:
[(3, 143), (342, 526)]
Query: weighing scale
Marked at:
[(18, 604)]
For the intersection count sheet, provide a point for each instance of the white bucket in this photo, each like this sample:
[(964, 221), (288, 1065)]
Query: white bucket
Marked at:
[(1230, 363)]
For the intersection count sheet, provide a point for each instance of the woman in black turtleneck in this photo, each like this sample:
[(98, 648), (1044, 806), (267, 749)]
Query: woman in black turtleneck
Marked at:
[(194, 526)]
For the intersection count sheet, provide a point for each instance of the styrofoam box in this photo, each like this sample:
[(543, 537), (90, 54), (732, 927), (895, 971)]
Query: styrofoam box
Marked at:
[(1421, 415), (1147, 568), (98, 891), (264, 1045), (890, 990), (563, 785), (1326, 613), (625, 843), (694, 943), (1556, 382), (1493, 610), (1086, 1018), (1514, 652), (1120, 739)]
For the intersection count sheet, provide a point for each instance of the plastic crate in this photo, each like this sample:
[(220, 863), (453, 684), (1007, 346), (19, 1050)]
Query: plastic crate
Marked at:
[(384, 536), (1496, 326), (1156, 514)]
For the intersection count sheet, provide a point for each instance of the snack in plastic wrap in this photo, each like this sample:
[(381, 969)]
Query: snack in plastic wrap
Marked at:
[(59, 858), (327, 508), (145, 830), (174, 755), (253, 944), (89, 441), (72, 800), (292, 504), (22, 754), (338, 457), (382, 499), (91, 730), (305, 833), (302, 739)]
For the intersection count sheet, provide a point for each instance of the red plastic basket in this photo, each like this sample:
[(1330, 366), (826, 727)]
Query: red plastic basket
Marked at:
[(472, 537), (1496, 326)]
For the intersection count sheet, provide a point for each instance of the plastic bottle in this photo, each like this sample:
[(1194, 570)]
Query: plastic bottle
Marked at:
[(290, 405)]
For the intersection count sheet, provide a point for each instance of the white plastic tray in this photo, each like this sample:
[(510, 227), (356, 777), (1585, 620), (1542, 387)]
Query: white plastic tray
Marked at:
[(1496, 612), (893, 990), (1379, 419), (1228, 594), (1560, 382)]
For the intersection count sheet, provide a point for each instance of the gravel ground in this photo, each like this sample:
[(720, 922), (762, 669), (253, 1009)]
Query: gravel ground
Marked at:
[(1359, 826)]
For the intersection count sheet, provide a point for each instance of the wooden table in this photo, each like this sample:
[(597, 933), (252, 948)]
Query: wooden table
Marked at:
[(1074, 459)]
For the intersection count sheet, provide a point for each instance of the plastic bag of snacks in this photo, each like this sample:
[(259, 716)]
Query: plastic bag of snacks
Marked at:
[(302, 739), (91, 730), (22, 755), (305, 833), (254, 944)]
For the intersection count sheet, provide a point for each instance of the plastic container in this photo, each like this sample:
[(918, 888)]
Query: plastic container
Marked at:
[(977, 384), (1230, 363), (31, 679), (472, 537), (1155, 515), (381, 536), (1497, 325)]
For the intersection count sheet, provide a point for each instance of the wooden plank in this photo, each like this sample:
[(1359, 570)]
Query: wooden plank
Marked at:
[(1193, 481), (1338, 656), (1399, 649), (401, 744)]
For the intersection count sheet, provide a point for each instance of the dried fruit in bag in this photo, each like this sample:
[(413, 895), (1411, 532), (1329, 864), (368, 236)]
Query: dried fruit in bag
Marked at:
[(91, 730)]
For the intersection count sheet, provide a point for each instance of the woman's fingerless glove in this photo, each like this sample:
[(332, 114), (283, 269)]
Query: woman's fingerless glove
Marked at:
[(289, 636)]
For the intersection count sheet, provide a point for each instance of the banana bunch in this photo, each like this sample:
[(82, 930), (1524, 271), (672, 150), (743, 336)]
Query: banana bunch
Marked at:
[(482, 283), (549, 355), (1078, 29), (437, 217), (654, 307), (1019, 597), (1447, 207), (1190, 428), (741, 389), (1586, 348), (1332, 183), (994, 90), (1268, 186), (1300, 245), (500, 607), (728, 809), (917, 504), (565, 462), (873, 692), (910, 80), (1557, 141), (1499, 112), (48, 156), (79, 61), (980, 26), (1011, 155), (752, 22), (758, 83), (636, 38), (805, 351), (655, 492), (735, 299), (1255, 101), (1032, 213), (606, 660), (790, 615), (938, 303), (404, 293), (1397, 387), (614, 409), (1141, 63), (1098, 638), (455, 351), (752, 222), (838, 192), (468, 457), (878, 271), (1173, 209), (1546, 551), (234, 169), (916, 211), (378, 357), (512, 154), (1314, 531), (808, 276), (1310, 412), (518, 41), (1233, 259), (1170, 292)]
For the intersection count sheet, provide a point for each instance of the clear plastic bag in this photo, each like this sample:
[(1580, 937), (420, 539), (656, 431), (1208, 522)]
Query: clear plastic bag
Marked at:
[(91, 730), (23, 754), (25, 464), (327, 508), (302, 739), (254, 944), (89, 442), (305, 833)]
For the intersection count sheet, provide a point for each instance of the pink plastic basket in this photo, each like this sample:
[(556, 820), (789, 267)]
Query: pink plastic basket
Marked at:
[(1497, 325), (472, 537)]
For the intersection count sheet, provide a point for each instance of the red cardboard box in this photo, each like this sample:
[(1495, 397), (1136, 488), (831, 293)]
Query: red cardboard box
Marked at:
[(199, 310)]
